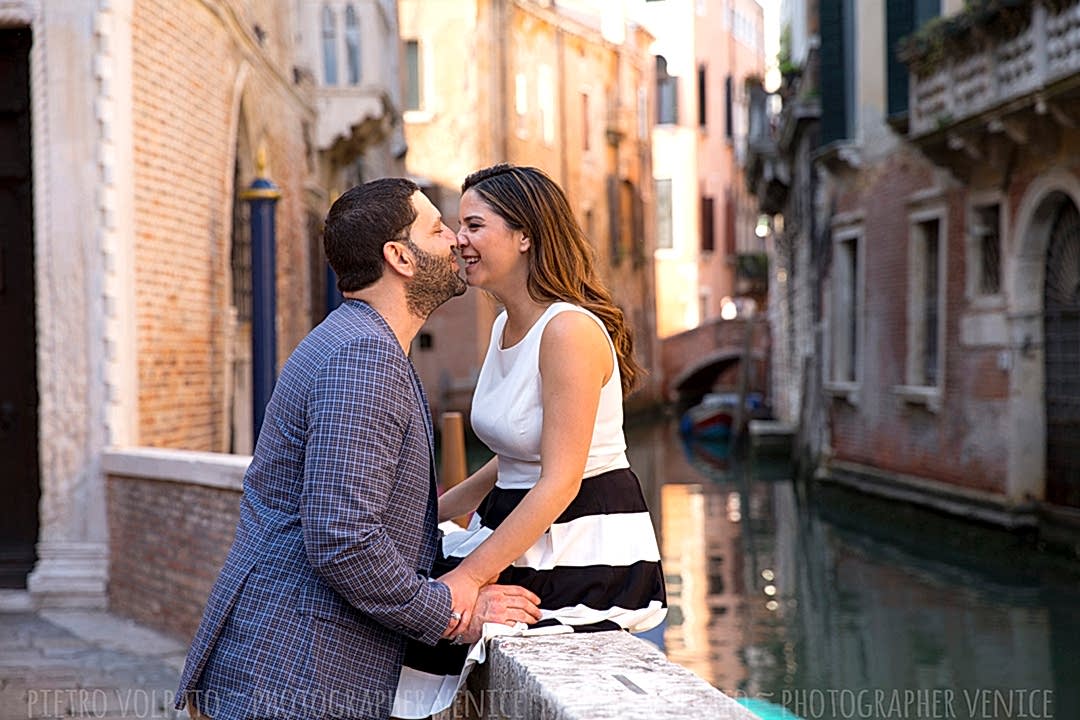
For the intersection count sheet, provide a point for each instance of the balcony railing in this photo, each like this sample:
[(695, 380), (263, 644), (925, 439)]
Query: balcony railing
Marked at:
[(994, 60)]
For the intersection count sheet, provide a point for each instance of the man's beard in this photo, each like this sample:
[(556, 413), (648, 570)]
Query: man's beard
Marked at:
[(436, 281)]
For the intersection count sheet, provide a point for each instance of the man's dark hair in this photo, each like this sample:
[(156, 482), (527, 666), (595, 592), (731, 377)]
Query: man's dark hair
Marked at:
[(360, 222)]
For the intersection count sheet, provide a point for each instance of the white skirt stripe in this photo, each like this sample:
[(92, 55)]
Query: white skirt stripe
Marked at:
[(421, 694), (616, 540), (637, 620)]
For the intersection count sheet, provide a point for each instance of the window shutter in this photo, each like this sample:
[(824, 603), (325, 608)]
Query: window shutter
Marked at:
[(899, 22), (708, 224), (834, 98)]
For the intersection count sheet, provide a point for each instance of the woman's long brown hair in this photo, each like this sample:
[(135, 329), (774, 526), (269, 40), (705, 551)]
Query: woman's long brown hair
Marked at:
[(561, 259)]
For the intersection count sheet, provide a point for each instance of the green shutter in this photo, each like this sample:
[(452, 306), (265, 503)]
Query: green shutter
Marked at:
[(833, 88), (899, 22)]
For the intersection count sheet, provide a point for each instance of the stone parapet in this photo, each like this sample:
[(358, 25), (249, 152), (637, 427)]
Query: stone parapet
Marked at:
[(587, 675)]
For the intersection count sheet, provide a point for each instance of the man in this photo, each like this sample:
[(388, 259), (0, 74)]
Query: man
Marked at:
[(327, 575)]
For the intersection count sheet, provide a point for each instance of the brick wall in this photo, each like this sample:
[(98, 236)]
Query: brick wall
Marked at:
[(187, 61), (964, 443), (168, 542)]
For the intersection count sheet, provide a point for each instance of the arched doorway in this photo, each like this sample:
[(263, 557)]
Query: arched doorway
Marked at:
[(1061, 334)]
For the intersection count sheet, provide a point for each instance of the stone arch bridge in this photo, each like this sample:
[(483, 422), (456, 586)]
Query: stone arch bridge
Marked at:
[(696, 360)]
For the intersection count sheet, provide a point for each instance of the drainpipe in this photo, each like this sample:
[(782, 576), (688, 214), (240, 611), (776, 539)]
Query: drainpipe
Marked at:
[(262, 196)]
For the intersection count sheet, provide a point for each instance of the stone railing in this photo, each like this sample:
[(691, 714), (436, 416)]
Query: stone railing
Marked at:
[(590, 675), (994, 73)]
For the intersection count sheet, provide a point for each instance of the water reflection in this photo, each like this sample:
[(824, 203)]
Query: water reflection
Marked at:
[(836, 606)]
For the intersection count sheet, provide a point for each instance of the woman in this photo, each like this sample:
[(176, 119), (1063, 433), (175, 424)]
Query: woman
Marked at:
[(558, 509)]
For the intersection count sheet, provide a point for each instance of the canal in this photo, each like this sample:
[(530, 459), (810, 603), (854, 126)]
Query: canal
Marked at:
[(812, 602)]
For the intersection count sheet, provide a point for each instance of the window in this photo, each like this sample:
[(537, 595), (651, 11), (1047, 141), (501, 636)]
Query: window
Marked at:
[(666, 94), (614, 220), (846, 308), (413, 96), (240, 260), (637, 225), (744, 29), (903, 17), (930, 306), (708, 224), (730, 246), (352, 45), (664, 236), (329, 47), (926, 298), (729, 105), (985, 234), (702, 108), (837, 63)]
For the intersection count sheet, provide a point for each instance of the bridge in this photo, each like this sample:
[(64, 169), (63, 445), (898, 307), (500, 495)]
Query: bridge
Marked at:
[(694, 361)]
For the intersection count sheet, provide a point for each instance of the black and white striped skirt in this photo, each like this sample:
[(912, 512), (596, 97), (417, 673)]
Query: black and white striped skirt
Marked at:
[(596, 568)]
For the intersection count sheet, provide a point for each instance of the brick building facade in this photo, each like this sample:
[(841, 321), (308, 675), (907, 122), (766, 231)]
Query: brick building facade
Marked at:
[(939, 249), (532, 84)]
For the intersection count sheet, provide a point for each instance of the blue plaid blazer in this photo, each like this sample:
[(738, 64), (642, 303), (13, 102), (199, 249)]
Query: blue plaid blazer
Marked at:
[(328, 572)]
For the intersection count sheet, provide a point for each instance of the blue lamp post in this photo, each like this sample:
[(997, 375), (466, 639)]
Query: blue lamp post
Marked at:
[(262, 195)]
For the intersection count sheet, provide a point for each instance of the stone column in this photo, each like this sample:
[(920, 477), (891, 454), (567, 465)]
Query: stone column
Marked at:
[(81, 96)]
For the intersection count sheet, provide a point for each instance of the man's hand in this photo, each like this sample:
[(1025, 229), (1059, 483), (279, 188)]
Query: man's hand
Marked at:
[(506, 604)]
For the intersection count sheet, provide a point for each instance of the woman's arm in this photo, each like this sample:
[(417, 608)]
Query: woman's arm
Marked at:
[(464, 497), (575, 361)]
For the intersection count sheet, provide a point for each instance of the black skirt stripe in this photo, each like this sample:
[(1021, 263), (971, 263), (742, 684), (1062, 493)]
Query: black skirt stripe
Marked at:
[(602, 626), (610, 493), (444, 658), (599, 587)]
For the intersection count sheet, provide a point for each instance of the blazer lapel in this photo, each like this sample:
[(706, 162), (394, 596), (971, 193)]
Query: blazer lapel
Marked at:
[(425, 410)]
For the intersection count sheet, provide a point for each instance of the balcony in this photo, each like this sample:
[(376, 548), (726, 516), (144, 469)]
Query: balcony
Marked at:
[(999, 74), (770, 158), (351, 119)]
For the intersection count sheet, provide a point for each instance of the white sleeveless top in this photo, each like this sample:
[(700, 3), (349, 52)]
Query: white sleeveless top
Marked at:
[(507, 414)]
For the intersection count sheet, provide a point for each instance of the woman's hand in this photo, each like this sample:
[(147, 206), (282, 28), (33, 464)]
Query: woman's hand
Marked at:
[(464, 589)]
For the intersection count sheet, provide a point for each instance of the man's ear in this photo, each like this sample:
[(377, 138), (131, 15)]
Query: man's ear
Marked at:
[(399, 258)]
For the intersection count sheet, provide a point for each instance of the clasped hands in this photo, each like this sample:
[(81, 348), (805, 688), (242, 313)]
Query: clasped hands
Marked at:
[(475, 602)]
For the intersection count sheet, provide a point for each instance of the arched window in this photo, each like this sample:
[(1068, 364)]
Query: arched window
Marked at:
[(667, 100), (329, 47), (352, 45)]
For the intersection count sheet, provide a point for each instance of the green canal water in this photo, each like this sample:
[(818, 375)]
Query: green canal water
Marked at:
[(821, 603)]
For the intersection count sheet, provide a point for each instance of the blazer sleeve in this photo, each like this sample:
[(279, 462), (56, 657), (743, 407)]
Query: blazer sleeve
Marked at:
[(355, 432)]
